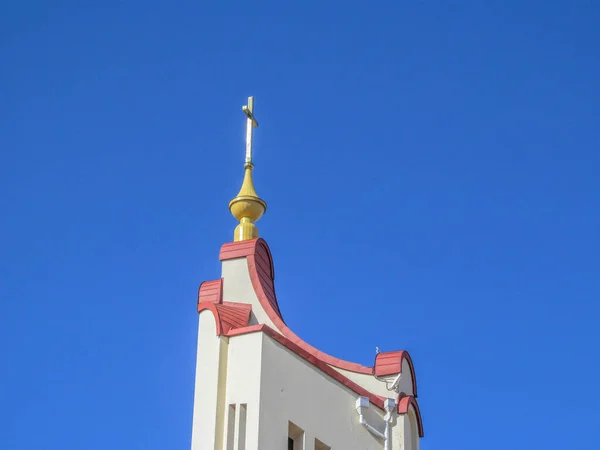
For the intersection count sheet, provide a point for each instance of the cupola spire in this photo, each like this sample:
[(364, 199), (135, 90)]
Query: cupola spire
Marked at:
[(247, 206)]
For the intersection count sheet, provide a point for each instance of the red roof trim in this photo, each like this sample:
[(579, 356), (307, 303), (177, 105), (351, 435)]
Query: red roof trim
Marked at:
[(311, 358), (250, 249), (238, 249), (404, 403), (228, 315), (389, 363), (211, 291)]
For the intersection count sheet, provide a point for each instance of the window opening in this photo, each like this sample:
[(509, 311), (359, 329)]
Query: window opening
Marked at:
[(320, 446), (295, 437)]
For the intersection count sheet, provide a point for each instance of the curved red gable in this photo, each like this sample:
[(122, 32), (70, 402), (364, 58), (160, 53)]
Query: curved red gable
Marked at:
[(390, 363), (404, 403), (211, 291)]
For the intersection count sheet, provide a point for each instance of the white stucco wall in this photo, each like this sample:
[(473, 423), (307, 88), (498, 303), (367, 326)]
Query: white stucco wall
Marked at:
[(228, 372), (406, 382), (367, 381), (204, 427), (243, 381), (379, 387), (408, 423), (276, 387), (237, 287), (294, 390)]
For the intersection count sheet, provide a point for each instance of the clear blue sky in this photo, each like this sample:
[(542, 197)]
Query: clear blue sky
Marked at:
[(431, 169)]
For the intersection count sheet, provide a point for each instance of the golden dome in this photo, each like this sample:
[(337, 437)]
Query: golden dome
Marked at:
[(247, 207)]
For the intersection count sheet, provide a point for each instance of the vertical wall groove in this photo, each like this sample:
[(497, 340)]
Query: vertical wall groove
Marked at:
[(221, 390), (242, 428), (230, 427)]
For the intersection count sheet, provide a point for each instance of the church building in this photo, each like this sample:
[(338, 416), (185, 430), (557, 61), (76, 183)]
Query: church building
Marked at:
[(259, 386)]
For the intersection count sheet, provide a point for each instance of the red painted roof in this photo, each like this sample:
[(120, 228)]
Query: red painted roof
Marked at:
[(211, 291), (228, 315), (233, 315), (390, 363)]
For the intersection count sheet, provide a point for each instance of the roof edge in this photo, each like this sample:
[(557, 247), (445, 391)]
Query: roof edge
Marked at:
[(248, 250), (228, 315), (312, 359)]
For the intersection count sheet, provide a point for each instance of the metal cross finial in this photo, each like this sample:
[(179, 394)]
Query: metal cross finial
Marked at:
[(251, 122)]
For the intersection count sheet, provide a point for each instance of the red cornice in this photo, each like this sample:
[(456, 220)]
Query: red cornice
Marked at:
[(404, 403)]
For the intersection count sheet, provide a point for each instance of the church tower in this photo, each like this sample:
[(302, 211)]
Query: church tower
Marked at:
[(261, 387)]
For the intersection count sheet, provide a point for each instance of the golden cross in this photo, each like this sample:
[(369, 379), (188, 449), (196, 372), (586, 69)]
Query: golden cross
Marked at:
[(251, 122)]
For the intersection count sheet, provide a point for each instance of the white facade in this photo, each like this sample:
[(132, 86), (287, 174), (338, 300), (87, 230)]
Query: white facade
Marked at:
[(258, 385)]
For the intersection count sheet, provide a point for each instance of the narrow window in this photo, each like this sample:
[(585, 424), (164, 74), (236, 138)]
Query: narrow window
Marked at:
[(230, 426), (295, 437), (320, 446), (242, 428)]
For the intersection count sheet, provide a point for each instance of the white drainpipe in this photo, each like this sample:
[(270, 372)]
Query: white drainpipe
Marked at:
[(362, 403)]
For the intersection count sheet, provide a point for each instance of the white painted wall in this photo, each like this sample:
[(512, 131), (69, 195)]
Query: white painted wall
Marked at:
[(294, 390), (277, 386), (406, 382), (237, 287), (204, 425), (369, 382), (228, 372), (379, 387), (408, 423), (243, 381)]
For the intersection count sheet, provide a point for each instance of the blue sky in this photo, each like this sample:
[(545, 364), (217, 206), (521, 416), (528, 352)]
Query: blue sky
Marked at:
[(431, 170)]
